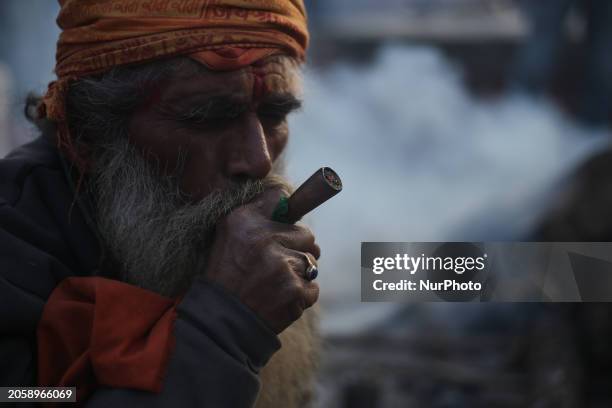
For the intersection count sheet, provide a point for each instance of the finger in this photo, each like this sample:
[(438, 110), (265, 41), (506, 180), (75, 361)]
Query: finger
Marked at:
[(311, 293), (312, 270), (298, 238), (312, 259), (300, 262)]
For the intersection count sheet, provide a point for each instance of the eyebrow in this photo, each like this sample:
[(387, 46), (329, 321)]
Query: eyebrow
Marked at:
[(286, 101), (202, 108), (227, 106)]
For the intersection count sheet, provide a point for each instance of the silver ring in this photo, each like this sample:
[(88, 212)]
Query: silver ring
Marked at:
[(311, 271)]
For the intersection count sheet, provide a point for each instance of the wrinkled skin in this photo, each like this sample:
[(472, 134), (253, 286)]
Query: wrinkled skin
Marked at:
[(231, 126)]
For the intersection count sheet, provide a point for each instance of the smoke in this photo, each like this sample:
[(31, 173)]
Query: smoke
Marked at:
[(423, 160)]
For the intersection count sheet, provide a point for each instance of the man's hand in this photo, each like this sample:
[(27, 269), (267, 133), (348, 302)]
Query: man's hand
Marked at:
[(262, 262)]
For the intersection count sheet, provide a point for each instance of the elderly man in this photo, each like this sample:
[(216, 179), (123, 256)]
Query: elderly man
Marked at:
[(139, 261)]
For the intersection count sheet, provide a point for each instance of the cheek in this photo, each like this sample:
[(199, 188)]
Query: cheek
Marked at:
[(198, 176), (277, 138), (159, 144), (169, 147)]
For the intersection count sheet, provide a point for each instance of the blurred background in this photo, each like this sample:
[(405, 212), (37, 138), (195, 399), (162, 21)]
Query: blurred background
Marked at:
[(448, 120)]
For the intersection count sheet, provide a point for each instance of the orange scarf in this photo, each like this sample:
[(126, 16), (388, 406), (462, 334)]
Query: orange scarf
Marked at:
[(100, 332), (223, 34)]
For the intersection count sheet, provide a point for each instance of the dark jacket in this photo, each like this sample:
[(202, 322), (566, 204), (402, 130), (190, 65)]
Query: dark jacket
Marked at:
[(46, 235)]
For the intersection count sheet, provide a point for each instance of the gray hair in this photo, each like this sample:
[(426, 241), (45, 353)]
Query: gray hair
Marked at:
[(99, 107)]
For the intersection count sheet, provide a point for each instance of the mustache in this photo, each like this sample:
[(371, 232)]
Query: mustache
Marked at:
[(220, 202)]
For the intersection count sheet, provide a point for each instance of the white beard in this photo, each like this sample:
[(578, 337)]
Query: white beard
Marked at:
[(160, 243), (159, 240)]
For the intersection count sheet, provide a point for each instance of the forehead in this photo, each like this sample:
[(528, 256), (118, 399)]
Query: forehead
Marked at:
[(269, 77)]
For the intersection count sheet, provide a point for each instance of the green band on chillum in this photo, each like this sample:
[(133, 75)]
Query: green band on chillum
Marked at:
[(281, 210)]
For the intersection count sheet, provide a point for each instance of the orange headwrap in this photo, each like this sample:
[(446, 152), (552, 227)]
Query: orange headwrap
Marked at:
[(223, 34)]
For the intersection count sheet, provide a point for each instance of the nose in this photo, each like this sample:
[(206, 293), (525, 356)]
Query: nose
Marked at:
[(250, 157)]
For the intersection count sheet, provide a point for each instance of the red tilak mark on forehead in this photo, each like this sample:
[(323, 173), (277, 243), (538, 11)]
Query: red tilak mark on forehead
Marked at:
[(259, 84)]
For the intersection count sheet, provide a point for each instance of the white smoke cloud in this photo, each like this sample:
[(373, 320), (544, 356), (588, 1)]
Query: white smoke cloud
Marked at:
[(423, 160)]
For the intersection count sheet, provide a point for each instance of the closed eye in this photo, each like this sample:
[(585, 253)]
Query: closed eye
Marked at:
[(278, 109), (211, 113), (202, 114)]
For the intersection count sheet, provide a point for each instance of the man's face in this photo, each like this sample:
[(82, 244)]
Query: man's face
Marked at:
[(218, 127)]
